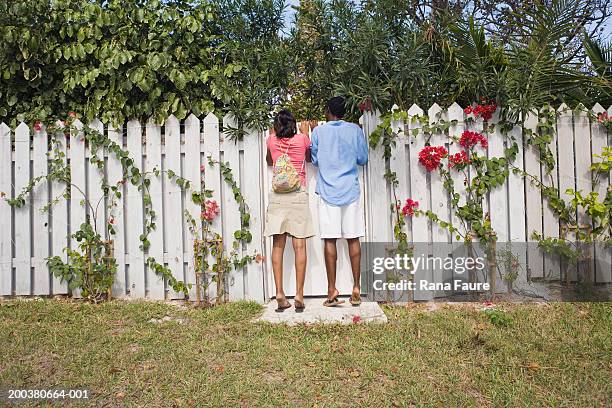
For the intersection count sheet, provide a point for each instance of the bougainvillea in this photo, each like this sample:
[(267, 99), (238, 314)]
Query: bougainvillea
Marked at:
[(410, 207), (431, 156), (458, 159), (470, 139), (484, 110), (605, 120), (210, 211)]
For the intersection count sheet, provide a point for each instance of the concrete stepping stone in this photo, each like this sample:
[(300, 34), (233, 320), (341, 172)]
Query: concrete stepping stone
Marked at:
[(315, 312)]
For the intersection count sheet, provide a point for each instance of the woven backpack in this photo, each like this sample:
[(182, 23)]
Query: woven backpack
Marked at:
[(286, 178)]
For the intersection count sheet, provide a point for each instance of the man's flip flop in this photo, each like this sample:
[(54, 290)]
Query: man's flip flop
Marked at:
[(299, 306), (280, 309), (355, 300), (332, 302)]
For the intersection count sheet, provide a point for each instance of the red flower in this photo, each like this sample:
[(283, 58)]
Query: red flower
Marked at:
[(458, 159), (485, 110), (602, 117), (202, 168), (470, 139), (72, 114), (409, 207), (356, 319), (38, 126), (111, 221), (431, 156), (365, 105), (211, 210)]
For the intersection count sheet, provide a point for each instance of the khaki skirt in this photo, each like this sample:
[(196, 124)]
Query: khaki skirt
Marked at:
[(289, 213)]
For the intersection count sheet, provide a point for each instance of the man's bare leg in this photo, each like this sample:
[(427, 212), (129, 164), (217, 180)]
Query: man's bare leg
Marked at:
[(331, 258), (354, 248)]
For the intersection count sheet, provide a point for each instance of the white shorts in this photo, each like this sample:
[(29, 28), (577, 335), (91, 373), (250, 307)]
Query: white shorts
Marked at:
[(341, 222)]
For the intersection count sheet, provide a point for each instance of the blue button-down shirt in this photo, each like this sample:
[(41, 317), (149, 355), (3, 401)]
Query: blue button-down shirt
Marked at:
[(337, 148)]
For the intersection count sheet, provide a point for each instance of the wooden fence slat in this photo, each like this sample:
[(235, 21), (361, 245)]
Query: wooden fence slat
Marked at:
[(231, 219), (398, 163), (173, 204), (115, 178), (40, 198), (212, 181), (6, 213), (135, 214), (516, 200), (193, 174), (379, 197), (599, 140), (533, 203), (59, 217), (565, 166), (253, 188), (78, 187), (439, 201), (498, 197), (23, 237), (582, 147), (152, 164), (420, 192)]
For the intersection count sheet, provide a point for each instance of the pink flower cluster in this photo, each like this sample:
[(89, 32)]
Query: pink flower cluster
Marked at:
[(484, 110), (470, 139), (605, 120), (409, 207), (211, 210), (431, 156), (458, 159)]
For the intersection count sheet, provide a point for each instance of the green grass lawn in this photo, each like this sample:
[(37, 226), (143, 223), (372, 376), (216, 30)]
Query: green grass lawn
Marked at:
[(546, 355)]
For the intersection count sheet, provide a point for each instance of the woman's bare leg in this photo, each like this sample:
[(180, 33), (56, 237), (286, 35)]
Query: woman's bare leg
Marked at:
[(299, 248), (278, 249)]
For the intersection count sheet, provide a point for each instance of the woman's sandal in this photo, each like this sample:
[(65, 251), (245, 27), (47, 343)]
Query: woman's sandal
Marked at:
[(281, 308), (332, 302), (355, 300), (299, 306)]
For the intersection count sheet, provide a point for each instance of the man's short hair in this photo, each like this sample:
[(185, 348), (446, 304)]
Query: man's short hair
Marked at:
[(337, 106)]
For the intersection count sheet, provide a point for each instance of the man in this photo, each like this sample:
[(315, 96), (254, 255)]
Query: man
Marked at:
[(337, 148)]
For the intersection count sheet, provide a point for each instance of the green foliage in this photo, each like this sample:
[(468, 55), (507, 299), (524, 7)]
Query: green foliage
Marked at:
[(91, 268), (123, 59)]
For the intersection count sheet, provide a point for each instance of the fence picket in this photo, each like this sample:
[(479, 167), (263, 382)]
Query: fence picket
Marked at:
[(231, 219), (78, 188), (193, 174), (599, 140), (253, 154), (115, 178), (420, 192), (134, 216), (59, 225), (533, 203), (6, 212), (439, 201), (565, 166), (582, 150), (212, 181), (173, 204), (40, 227), (398, 163), (153, 165), (498, 197), (516, 201)]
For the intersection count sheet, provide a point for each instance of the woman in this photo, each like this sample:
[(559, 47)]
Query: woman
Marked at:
[(288, 213)]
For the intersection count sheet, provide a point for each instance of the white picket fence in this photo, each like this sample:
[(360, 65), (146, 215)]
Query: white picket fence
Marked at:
[(28, 236), (516, 208)]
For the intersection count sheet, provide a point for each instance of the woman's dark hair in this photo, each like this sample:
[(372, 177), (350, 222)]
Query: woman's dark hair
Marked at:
[(336, 106), (284, 124)]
